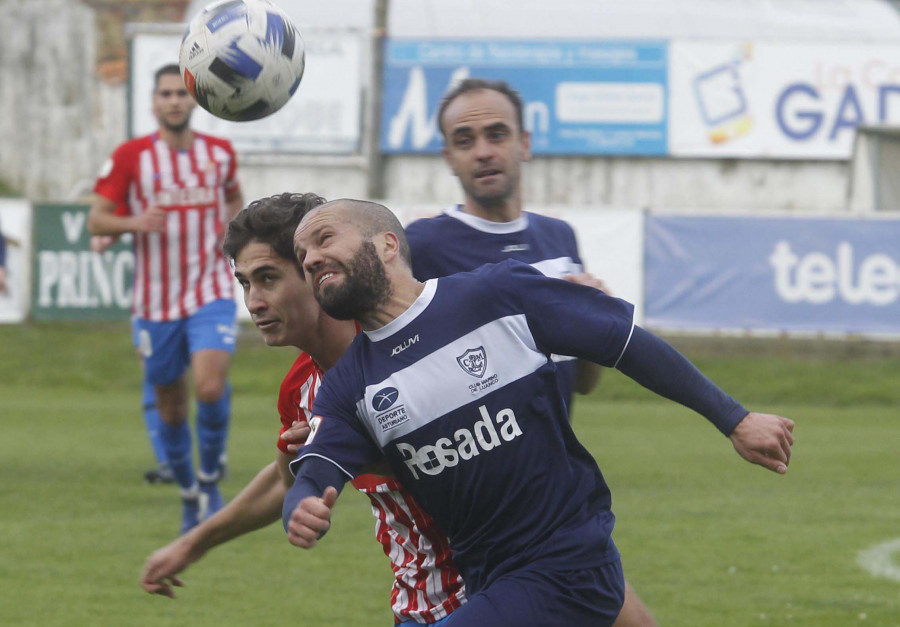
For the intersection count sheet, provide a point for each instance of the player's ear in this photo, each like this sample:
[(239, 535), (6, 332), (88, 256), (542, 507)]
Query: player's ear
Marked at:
[(391, 245), (526, 146), (448, 161)]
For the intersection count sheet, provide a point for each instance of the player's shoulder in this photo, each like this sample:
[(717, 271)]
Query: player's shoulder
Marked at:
[(124, 159), (134, 146), (548, 223), (431, 226), (493, 275), (301, 371), (214, 140)]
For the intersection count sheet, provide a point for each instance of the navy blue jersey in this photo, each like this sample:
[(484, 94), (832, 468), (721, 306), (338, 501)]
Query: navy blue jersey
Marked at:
[(456, 241), (459, 393)]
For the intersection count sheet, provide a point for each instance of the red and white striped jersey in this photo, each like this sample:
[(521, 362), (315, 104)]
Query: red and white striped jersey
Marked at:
[(427, 587), (183, 268)]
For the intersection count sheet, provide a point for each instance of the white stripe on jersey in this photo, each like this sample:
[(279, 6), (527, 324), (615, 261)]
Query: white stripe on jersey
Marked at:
[(148, 181), (222, 158), (139, 279), (557, 268), (154, 277), (186, 170), (173, 259), (202, 158), (193, 258), (208, 235), (164, 163), (509, 351)]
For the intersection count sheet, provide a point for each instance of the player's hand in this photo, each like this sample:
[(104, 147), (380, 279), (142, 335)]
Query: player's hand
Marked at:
[(99, 243), (765, 439), (161, 568), (2, 279), (586, 278), (296, 435), (152, 220), (311, 518)]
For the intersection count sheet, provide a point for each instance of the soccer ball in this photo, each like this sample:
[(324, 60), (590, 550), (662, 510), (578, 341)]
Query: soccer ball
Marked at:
[(242, 59)]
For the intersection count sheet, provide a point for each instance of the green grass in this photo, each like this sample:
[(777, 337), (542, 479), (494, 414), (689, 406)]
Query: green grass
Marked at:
[(707, 539)]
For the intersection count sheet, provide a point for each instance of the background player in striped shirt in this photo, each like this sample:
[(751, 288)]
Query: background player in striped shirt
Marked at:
[(161, 473), (427, 586), (485, 146), (181, 189), (476, 427)]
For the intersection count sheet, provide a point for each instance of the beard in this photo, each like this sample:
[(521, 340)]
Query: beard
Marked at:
[(495, 197), (365, 287), (180, 127)]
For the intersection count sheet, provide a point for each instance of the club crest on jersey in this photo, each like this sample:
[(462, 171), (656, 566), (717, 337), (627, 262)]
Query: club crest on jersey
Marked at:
[(473, 361)]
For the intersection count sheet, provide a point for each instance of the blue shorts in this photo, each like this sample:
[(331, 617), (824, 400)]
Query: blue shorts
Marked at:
[(534, 597), (167, 346)]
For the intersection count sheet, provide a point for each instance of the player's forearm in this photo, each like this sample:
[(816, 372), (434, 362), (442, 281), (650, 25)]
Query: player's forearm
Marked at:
[(659, 367), (256, 506), (102, 223), (315, 474)]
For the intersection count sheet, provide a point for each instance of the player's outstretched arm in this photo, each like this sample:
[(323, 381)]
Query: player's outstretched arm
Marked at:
[(763, 439), (257, 505)]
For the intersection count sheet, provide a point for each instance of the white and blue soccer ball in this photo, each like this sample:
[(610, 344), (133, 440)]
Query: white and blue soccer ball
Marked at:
[(242, 59)]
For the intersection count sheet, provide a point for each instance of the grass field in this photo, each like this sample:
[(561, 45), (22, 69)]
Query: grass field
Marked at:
[(707, 539)]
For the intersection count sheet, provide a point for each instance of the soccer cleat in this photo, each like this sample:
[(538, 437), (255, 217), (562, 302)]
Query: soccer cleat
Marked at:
[(210, 499), (161, 474), (190, 513)]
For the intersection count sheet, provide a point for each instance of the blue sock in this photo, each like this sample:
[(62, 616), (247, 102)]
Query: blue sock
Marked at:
[(177, 443), (212, 433), (151, 421)]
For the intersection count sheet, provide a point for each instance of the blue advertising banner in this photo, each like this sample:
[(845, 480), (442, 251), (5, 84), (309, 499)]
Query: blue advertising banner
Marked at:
[(818, 275), (581, 97)]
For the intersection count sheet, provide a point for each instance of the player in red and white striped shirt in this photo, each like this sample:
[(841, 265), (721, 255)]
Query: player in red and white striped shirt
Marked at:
[(180, 189), (427, 587)]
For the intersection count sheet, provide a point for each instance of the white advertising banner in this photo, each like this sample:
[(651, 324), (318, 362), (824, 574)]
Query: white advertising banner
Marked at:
[(322, 117), (15, 228), (778, 100)]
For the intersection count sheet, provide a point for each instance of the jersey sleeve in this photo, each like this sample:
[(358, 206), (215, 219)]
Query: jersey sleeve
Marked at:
[(337, 434), (566, 318), (285, 414), (231, 181), (116, 176)]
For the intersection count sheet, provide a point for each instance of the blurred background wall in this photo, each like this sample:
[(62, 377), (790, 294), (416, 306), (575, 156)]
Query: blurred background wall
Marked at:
[(64, 77)]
